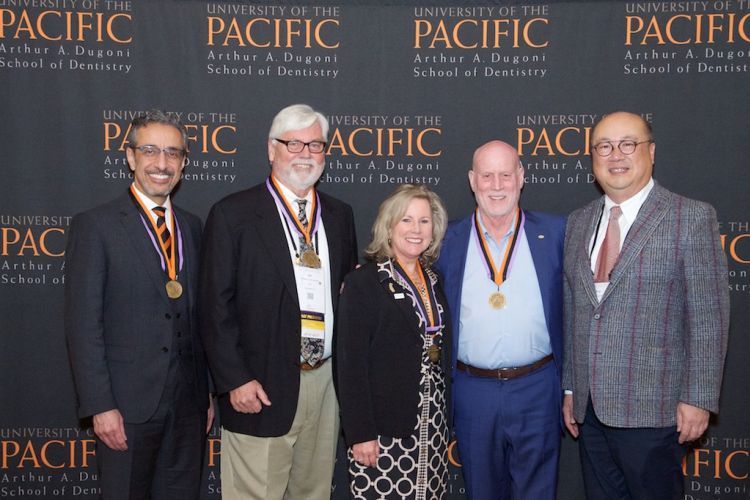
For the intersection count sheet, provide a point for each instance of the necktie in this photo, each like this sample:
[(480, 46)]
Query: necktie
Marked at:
[(610, 249), (302, 218), (312, 349), (161, 229)]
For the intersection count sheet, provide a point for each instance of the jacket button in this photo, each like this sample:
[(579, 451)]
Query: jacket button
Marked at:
[(179, 334), (178, 315), (597, 316), (164, 349), (168, 316)]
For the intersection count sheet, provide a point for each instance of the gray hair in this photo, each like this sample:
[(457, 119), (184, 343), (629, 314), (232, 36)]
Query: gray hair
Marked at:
[(393, 208), (157, 116), (296, 117)]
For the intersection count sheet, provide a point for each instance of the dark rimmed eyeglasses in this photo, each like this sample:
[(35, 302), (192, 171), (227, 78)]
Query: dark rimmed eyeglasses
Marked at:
[(296, 146), (626, 147)]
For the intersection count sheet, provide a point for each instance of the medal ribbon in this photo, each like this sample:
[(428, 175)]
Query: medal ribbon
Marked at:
[(498, 274), (291, 216), (429, 318), (169, 260)]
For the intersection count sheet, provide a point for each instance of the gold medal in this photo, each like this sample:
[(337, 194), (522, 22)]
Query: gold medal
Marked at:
[(433, 352), (497, 300), (174, 289), (310, 259)]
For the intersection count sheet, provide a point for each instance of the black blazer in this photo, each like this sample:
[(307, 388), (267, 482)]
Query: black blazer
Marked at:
[(379, 350), (249, 310), (117, 313)]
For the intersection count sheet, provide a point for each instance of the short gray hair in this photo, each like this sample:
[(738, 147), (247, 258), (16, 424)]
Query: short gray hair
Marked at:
[(393, 208), (296, 117), (160, 117)]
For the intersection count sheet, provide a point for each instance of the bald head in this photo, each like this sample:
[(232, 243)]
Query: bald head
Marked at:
[(495, 152), (637, 121)]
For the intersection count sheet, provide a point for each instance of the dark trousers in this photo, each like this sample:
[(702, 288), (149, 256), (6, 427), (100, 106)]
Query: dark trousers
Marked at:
[(164, 458), (508, 434), (624, 464)]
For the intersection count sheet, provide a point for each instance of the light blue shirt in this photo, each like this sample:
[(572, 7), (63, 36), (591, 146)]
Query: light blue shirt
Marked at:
[(516, 335)]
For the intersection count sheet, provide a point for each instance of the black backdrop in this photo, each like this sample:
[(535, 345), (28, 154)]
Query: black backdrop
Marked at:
[(411, 90)]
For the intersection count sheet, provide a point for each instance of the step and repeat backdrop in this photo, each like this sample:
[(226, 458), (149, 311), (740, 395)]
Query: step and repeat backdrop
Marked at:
[(410, 89)]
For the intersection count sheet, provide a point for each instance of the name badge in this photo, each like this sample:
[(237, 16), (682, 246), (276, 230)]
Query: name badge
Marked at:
[(311, 289), (313, 326), (312, 302)]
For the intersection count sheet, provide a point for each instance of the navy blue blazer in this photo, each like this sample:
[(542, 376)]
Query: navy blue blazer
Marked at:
[(546, 235)]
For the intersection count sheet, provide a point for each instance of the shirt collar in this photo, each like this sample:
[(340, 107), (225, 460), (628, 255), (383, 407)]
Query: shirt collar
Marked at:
[(149, 203), (290, 197), (487, 233), (632, 205)]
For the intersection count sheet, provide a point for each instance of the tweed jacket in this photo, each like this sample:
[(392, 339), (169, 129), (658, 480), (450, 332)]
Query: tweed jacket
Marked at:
[(659, 334)]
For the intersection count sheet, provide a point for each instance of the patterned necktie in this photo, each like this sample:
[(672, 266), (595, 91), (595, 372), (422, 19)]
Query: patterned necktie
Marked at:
[(302, 218), (312, 349), (161, 229), (610, 249)]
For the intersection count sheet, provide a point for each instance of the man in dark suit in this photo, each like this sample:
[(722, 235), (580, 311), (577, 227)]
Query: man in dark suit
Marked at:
[(275, 257), (502, 269), (130, 323), (646, 321)]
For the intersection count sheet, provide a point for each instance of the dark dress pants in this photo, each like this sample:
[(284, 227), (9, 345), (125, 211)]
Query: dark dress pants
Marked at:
[(165, 454), (630, 464)]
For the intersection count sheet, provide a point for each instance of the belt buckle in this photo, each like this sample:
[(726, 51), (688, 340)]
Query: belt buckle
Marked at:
[(500, 371)]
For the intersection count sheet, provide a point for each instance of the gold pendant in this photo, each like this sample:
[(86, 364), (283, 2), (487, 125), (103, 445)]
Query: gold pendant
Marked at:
[(174, 289), (433, 352), (497, 300), (310, 259)]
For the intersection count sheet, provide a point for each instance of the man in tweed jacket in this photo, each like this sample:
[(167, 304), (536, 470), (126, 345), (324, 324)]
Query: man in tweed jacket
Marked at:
[(644, 346)]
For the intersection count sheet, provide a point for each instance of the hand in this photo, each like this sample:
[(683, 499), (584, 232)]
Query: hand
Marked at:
[(249, 398), (691, 422), (110, 428), (567, 411), (211, 414), (366, 453)]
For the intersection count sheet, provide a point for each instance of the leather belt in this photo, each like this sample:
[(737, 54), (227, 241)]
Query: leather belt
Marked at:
[(305, 366), (503, 373)]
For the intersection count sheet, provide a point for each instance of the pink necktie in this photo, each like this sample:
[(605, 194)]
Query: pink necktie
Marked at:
[(610, 249)]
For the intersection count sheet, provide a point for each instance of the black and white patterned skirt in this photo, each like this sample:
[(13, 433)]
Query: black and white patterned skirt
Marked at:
[(415, 467)]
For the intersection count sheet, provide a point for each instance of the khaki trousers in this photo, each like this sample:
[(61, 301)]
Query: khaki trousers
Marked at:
[(295, 466)]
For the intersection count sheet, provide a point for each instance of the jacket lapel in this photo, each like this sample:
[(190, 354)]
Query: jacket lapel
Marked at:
[(186, 234), (646, 223), (143, 248), (456, 252), (407, 303), (540, 252), (335, 240), (271, 233), (591, 217)]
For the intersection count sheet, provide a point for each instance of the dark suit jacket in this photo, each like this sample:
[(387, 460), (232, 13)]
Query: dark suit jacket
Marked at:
[(378, 353), (117, 314), (659, 334), (250, 316), (545, 234)]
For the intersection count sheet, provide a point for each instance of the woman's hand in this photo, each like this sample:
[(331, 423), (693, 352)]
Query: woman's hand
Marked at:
[(366, 453)]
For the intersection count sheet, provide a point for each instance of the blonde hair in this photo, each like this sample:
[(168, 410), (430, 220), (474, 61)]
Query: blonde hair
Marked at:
[(393, 208)]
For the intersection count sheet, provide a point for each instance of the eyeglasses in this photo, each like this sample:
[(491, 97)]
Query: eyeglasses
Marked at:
[(296, 146), (150, 151), (626, 147)]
